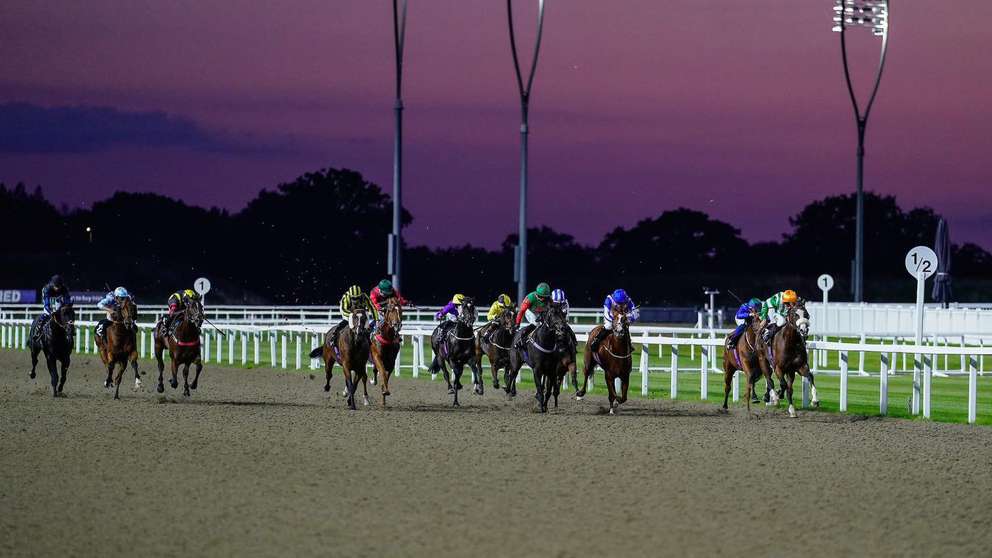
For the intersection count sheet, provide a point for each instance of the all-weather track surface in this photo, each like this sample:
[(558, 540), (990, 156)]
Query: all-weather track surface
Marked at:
[(264, 463)]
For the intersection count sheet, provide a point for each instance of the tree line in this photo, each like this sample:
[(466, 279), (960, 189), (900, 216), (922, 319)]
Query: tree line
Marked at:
[(305, 241)]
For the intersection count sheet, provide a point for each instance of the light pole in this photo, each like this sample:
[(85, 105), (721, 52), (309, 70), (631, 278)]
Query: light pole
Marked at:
[(874, 15), (395, 244), (520, 256)]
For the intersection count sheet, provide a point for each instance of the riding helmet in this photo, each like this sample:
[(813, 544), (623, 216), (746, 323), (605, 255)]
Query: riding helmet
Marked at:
[(57, 280), (190, 293), (620, 296), (121, 292), (558, 296), (543, 290), (386, 287), (790, 296), (458, 299), (354, 291), (505, 300), (754, 302)]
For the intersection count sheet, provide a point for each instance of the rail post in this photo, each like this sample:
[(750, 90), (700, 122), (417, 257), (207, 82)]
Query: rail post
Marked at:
[(703, 375), (674, 387), (883, 386), (843, 381), (644, 364), (973, 390)]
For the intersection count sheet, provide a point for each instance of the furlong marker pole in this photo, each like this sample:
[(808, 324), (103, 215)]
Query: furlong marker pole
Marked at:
[(525, 91)]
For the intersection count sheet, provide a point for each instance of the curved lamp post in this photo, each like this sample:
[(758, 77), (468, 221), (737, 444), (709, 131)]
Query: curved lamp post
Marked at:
[(873, 15), (395, 244), (520, 257)]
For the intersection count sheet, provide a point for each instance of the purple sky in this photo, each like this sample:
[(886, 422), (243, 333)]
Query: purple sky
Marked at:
[(735, 108)]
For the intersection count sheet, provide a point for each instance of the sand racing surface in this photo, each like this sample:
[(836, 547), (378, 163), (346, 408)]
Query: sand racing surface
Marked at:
[(263, 462)]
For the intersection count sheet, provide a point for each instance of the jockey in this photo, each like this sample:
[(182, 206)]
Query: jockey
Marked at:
[(111, 303), (175, 299), (384, 292), (532, 306), (352, 300), (774, 310), (53, 293), (618, 299), (559, 299), (113, 300), (743, 319), (450, 310), (502, 304)]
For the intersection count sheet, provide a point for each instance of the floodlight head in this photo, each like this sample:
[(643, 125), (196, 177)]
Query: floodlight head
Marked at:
[(866, 14)]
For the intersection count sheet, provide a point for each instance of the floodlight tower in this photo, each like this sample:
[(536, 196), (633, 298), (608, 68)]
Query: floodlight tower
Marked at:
[(873, 15), (395, 244), (520, 257)]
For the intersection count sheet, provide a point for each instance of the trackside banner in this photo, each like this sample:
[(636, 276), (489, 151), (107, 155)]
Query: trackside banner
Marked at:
[(18, 296), (87, 297)]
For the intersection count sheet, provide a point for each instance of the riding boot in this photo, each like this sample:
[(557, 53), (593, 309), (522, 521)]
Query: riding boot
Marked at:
[(336, 332), (598, 339), (524, 335), (770, 332)]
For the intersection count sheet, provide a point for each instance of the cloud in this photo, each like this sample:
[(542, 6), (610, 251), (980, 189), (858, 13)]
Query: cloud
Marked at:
[(28, 128)]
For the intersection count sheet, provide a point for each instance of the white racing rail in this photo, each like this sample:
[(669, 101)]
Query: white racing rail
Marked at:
[(246, 345)]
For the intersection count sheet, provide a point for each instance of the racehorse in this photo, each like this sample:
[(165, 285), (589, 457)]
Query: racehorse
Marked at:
[(118, 346), (495, 342), (747, 357), (183, 342), (455, 347), (543, 352), (386, 344), (614, 355), (55, 338), (352, 352), (787, 353)]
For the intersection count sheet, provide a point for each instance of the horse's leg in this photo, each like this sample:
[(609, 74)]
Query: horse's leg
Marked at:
[(349, 385), (771, 397), (34, 359), (624, 385), (365, 385), (728, 377), (476, 366), (328, 367), (109, 383), (118, 375), (611, 389), (134, 366), (186, 379), (539, 380), (380, 369), (457, 370), (53, 372), (65, 370), (790, 378), (174, 382), (493, 368), (814, 400), (587, 366), (159, 348), (199, 368)]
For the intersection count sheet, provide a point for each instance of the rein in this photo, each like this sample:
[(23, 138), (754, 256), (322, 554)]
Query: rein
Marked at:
[(606, 347)]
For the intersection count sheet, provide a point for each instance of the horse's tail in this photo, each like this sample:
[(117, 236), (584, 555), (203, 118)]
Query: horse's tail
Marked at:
[(317, 352), (435, 365)]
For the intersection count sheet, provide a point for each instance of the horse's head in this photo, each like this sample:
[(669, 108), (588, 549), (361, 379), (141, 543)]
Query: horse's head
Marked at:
[(507, 319), (621, 320), (554, 318), (799, 317), (392, 317), (468, 313), (359, 320), (128, 311), (193, 312)]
